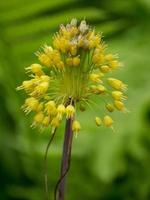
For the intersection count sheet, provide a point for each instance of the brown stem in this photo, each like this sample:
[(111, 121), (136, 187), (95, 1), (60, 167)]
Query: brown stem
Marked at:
[(65, 159)]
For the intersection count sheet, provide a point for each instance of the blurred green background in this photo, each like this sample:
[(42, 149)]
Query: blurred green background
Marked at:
[(105, 166)]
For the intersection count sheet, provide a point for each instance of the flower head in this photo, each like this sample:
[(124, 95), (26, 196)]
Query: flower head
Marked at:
[(75, 67)]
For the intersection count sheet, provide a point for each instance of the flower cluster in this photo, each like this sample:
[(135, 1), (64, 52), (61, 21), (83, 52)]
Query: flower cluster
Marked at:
[(73, 69)]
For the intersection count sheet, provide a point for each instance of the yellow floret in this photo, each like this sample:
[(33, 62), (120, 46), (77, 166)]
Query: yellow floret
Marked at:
[(117, 95), (108, 121), (50, 107), (36, 69), (76, 61), (70, 111), (31, 104), (98, 121), (45, 60), (44, 78), (76, 127), (101, 89), (38, 118), (55, 122), (73, 50), (60, 65), (95, 78), (109, 57), (117, 84), (105, 68), (110, 107), (28, 86), (120, 105), (60, 111), (69, 61), (40, 89), (46, 121), (114, 64)]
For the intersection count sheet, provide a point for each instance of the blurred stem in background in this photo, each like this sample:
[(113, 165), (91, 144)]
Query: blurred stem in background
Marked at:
[(45, 164)]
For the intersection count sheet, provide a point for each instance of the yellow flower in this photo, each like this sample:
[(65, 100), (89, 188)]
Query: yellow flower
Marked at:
[(28, 86), (60, 65), (76, 127), (95, 78), (73, 50), (44, 59), (105, 68), (40, 107), (50, 107), (60, 111), (36, 69), (76, 61), (44, 78), (46, 121), (109, 57), (114, 64), (38, 118), (117, 95), (101, 89), (98, 121), (110, 107), (70, 72), (31, 104), (40, 89), (55, 123), (69, 61), (120, 106), (70, 110), (108, 121), (117, 84)]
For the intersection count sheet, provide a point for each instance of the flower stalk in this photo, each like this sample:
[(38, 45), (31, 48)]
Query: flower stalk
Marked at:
[(66, 157)]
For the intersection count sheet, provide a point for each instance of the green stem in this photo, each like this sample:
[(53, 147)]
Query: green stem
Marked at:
[(45, 164)]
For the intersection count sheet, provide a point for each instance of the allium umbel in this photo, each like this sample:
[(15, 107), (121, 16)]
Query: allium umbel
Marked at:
[(75, 67)]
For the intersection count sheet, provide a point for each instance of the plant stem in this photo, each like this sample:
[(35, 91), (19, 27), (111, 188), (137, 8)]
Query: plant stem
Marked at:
[(45, 164), (65, 164)]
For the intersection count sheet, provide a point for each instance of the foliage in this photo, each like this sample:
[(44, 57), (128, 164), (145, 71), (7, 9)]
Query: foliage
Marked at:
[(104, 165)]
